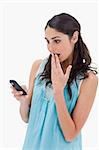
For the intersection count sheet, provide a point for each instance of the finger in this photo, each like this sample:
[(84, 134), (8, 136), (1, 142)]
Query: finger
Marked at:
[(58, 64), (18, 93), (14, 90), (12, 87), (22, 97), (24, 87), (53, 65), (68, 71), (17, 97)]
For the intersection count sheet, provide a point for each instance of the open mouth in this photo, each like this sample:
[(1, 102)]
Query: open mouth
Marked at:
[(56, 54)]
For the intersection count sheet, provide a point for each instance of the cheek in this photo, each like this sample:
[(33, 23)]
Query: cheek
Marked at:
[(66, 52), (66, 44), (67, 49)]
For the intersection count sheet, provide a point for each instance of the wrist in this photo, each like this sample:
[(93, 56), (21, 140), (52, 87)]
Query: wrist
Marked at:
[(58, 94), (24, 102), (58, 91)]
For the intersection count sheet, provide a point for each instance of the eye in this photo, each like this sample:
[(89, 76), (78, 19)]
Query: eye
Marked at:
[(57, 41), (47, 40)]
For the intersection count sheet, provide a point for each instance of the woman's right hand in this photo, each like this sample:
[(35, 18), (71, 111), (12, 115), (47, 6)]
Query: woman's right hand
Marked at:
[(18, 95)]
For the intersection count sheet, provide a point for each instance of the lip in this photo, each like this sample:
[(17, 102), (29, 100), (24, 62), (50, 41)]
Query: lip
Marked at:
[(56, 54)]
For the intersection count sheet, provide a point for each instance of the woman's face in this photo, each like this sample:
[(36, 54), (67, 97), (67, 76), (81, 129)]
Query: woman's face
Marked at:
[(59, 43)]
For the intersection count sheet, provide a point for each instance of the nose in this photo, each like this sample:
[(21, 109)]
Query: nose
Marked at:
[(51, 47)]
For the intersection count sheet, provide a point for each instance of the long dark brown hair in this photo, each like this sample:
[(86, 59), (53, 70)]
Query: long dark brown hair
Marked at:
[(67, 24)]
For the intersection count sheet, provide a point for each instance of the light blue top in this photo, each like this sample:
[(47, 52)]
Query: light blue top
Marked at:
[(44, 131)]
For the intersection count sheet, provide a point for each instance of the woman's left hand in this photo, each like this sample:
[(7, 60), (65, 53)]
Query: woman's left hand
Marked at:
[(59, 79)]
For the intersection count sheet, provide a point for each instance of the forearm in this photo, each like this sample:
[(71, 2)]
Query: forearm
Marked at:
[(67, 124), (24, 111)]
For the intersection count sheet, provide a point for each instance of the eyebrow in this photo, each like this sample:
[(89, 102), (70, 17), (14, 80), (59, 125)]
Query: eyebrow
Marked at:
[(53, 37)]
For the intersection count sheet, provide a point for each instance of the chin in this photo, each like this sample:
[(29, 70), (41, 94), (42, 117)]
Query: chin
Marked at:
[(62, 59)]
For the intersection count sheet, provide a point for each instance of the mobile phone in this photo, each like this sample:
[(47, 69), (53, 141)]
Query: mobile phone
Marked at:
[(17, 86)]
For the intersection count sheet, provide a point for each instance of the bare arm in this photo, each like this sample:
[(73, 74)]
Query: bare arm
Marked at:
[(71, 125), (25, 104)]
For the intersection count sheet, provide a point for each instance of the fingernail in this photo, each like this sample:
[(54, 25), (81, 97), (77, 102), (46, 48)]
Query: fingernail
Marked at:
[(70, 66), (21, 92)]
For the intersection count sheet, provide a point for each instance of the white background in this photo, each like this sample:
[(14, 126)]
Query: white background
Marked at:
[(21, 42)]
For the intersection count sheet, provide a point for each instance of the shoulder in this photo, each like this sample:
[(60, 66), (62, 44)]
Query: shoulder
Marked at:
[(35, 67), (92, 78), (37, 62), (90, 83)]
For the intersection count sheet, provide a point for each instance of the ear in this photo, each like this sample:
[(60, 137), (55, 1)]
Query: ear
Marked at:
[(74, 38)]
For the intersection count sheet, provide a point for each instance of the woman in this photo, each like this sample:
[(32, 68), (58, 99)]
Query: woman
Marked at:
[(60, 94)]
